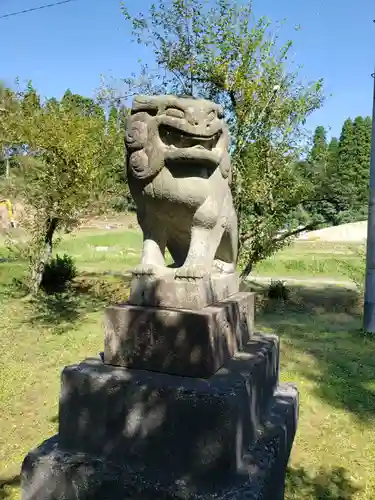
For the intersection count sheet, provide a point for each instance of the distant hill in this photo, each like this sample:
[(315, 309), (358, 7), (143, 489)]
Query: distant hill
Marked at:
[(354, 232)]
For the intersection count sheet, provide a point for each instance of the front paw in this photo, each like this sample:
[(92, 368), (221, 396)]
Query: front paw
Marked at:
[(144, 270), (191, 272), (225, 267)]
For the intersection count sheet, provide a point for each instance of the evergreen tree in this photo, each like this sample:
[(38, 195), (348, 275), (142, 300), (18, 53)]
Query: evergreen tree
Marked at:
[(319, 150), (333, 154), (362, 138), (346, 172), (351, 176), (319, 171), (315, 166), (332, 184)]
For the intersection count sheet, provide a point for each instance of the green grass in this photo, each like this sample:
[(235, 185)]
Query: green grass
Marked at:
[(322, 351), (325, 354), (311, 259)]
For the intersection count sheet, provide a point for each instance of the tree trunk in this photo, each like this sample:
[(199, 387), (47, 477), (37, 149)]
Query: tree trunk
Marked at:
[(45, 255), (249, 266), (247, 270)]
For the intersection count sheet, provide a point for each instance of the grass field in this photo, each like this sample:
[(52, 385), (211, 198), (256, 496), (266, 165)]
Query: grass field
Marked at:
[(312, 259), (323, 352)]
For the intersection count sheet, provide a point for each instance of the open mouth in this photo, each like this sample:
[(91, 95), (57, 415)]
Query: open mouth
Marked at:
[(176, 138)]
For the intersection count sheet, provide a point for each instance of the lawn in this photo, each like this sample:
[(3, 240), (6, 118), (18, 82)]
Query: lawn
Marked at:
[(323, 352), (305, 259)]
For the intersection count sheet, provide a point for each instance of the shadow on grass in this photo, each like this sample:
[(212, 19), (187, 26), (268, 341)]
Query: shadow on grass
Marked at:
[(6, 484), (325, 485), (325, 323), (88, 294)]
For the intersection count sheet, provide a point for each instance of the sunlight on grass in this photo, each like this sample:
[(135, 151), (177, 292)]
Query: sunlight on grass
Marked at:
[(310, 259), (323, 352)]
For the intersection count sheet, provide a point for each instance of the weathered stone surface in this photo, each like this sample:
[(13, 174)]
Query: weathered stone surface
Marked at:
[(185, 425), (178, 169), (51, 473), (180, 342), (166, 291)]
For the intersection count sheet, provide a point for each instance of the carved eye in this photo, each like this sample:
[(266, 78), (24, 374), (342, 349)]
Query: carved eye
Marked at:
[(176, 113), (211, 116), (220, 113), (149, 111)]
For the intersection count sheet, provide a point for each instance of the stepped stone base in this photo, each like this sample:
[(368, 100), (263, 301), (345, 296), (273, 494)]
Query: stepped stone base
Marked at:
[(136, 434)]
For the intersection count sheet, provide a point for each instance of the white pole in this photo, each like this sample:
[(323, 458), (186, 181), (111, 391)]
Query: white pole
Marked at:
[(369, 305)]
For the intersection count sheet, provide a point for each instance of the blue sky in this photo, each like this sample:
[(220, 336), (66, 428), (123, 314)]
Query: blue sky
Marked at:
[(72, 45)]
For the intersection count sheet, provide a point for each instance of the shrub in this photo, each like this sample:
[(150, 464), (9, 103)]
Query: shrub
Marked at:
[(278, 290), (124, 204), (58, 273)]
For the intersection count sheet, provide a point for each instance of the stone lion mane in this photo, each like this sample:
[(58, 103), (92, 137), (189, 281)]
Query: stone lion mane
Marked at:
[(178, 169)]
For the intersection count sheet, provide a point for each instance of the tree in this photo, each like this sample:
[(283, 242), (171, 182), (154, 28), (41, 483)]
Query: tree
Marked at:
[(63, 178), (319, 149), (9, 119), (216, 51), (316, 169), (346, 161), (333, 154), (336, 201), (321, 170), (362, 138), (352, 175), (30, 100), (83, 105)]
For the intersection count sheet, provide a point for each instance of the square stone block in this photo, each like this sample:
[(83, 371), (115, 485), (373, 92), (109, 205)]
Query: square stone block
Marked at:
[(171, 424), (193, 343), (167, 291), (50, 472)]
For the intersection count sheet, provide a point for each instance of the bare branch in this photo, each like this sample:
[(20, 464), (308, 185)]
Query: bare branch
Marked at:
[(295, 232)]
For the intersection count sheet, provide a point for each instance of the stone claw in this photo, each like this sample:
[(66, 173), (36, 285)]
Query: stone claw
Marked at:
[(191, 272), (144, 270)]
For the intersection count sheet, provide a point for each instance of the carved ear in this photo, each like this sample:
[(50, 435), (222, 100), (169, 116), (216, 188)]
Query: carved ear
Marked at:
[(136, 134), (139, 165), (144, 161)]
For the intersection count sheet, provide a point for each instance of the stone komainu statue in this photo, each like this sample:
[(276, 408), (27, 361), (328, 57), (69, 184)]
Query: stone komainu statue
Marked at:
[(179, 171)]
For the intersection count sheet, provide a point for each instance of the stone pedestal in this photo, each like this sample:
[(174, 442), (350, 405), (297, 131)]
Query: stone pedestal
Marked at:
[(194, 343), (166, 291), (185, 405), (133, 434)]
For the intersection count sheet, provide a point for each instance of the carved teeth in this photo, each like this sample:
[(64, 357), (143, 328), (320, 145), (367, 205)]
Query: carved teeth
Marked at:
[(176, 139)]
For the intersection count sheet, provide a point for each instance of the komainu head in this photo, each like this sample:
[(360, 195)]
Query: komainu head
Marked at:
[(183, 134)]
